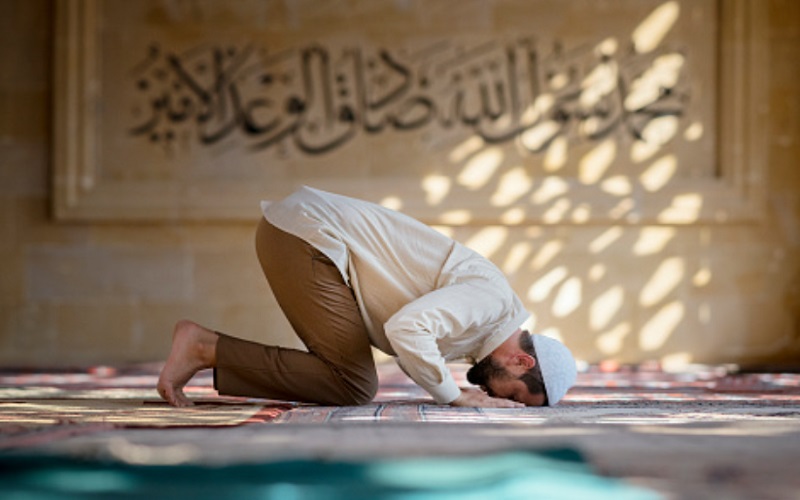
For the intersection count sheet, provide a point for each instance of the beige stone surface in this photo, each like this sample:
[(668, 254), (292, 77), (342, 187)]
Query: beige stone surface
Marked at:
[(704, 268), (421, 93)]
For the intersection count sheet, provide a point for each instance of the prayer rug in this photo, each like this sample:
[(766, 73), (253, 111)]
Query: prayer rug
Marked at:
[(558, 474), (35, 407), (624, 395), (123, 413), (39, 407)]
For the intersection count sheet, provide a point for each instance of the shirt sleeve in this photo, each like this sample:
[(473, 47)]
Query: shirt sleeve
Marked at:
[(454, 311)]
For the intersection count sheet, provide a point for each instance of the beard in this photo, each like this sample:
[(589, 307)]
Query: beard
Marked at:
[(483, 371)]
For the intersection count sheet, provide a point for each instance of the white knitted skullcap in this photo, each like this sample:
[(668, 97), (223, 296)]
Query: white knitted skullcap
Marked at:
[(557, 365)]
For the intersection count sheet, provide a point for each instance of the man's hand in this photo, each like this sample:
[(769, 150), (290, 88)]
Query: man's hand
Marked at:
[(476, 398)]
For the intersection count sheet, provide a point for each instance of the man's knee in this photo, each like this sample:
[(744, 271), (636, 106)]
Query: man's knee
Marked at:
[(360, 393), (367, 394)]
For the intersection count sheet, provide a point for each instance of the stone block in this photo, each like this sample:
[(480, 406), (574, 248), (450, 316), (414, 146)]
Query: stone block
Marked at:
[(28, 335), (24, 30), (57, 273), (264, 323), (34, 224), (222, 237), (9, 239), (95, 331), (259, 323), (153, 325), (229, 277), (23, 169), (137, 235), (11, 278), (25, 114)]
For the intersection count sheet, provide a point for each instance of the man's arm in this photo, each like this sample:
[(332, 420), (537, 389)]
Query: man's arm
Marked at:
[(475, 397), (414, 330)]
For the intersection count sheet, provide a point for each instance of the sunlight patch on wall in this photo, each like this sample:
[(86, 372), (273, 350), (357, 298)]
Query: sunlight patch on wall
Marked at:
[(642, 150), (659, 173), (436, 188), (610, 342), (597, 84), (664, 280), (607, 47), (552, 187), (540, 106), (703, 276), (650, 32), (557, 154), (664, 73), (392, 202), (480, 168), (652, 240), (605, 306), (503, 122), (597, 272), (553, 333), (541, 289), (514, 184), (546, 253), (595, 163), (456, 217), (693, 132), (558, 81), (619, 185), (466, 149), (513, 216), (582, 213), (530, 323), (660, 130), (685, 208), (537, 136), (556, 213), (603, 241), (516, 257), (488, 240), (622, 208), (568, 298), (657, 330)]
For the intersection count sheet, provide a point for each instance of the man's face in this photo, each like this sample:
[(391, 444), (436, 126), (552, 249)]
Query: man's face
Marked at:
[(514, 389), (503, 382)]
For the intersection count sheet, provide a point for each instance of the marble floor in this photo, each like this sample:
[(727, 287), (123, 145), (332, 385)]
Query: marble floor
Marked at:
[(705, 432)]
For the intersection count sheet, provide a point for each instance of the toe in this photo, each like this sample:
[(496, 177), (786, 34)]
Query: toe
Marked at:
[(179, 399)]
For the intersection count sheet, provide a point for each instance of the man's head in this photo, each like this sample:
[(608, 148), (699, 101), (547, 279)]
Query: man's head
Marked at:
[(530, 369)]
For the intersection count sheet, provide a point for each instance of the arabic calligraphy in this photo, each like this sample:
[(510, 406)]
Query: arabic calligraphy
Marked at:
[(318, 97)]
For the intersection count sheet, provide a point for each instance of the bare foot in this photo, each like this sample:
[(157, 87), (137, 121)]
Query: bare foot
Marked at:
[(193, 349)]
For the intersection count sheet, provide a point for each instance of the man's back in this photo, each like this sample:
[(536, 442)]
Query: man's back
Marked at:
[(389, 259)]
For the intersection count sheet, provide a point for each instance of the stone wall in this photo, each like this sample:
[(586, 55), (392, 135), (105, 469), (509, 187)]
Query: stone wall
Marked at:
[(631, 285)]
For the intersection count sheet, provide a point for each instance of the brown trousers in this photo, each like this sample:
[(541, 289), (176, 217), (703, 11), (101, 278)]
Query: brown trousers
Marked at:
[(338, 368)]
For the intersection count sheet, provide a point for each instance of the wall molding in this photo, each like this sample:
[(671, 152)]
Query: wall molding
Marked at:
[(736, 194)]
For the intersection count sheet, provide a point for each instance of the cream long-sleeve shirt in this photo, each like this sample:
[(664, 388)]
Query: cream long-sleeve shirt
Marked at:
[(424, 298)]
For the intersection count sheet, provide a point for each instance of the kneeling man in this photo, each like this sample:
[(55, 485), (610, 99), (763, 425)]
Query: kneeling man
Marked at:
[(349, 275)]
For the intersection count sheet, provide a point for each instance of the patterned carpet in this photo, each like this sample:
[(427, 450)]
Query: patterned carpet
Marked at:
[(39, 407), (707, 432), (625, 395)]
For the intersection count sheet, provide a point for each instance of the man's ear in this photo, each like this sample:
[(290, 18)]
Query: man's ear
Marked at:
[(524, 360)]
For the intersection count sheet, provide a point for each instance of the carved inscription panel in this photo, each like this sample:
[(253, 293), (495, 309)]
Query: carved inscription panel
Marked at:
[(454, 111)]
